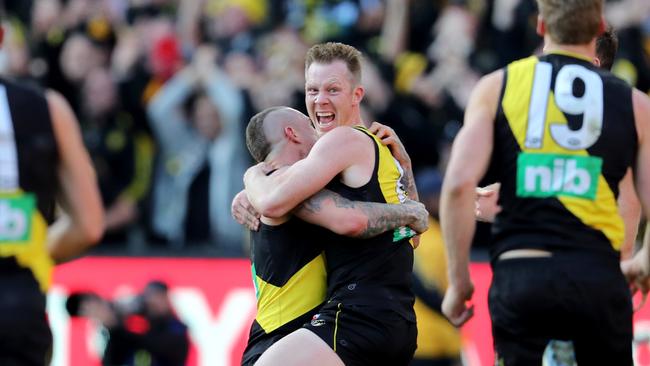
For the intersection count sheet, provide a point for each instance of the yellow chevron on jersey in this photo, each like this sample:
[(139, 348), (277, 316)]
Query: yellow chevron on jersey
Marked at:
[(305, 290), (601, 213), (23, 234)]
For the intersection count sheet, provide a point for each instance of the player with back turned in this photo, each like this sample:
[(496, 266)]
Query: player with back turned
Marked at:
[(42, 157), (560, 136)]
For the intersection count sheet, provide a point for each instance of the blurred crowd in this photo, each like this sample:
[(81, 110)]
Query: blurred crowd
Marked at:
[(164, 88)]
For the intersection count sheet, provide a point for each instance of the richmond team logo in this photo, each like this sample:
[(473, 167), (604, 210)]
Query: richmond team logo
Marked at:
[(316, 321)]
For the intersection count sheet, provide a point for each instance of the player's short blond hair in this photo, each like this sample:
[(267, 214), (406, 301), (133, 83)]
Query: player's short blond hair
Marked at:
[(571, 21), (329, 52)]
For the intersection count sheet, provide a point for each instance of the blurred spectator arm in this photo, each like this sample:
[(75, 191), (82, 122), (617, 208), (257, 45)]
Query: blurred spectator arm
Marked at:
[(167, 121), (219, 87), (188, 24), (126, 54), (395, 27)]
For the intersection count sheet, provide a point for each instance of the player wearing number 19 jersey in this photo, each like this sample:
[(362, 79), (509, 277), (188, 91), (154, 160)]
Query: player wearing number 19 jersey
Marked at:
[(561, 135), (559, 177), (564, 138)]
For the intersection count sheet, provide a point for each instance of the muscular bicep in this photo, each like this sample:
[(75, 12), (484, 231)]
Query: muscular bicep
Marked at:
[(473, 146), (79, 195), (78, 180), (356, 218), (331, 155)]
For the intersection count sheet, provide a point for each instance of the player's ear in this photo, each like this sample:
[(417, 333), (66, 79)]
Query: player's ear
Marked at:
[(357, 94), (291, 135), (541, 26), (596, 61)]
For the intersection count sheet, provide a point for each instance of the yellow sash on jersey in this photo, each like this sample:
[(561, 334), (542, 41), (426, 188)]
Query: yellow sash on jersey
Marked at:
[(23, 234)]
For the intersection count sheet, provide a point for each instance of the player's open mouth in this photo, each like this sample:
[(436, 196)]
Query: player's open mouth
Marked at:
[(325, 119)]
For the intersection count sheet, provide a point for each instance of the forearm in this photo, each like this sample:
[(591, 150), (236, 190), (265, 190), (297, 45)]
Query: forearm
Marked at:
[(273, 195), (354, 218), (408, 180), (266, 194), (170, 97), (394, 30), (458, 226), (65, 240), (121, 213), (384, 217)]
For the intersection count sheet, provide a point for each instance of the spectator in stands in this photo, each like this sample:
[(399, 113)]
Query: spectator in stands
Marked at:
[(121, 154), (196, 120)]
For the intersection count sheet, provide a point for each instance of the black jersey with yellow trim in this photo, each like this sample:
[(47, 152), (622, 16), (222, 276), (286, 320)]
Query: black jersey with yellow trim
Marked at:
[(380, 267), (28, 178), (288, 271), (564, 138)]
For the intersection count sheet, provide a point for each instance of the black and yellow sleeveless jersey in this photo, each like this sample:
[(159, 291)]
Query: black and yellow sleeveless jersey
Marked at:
[(564, 138), (289, 275), (28, 176), (384, 262)]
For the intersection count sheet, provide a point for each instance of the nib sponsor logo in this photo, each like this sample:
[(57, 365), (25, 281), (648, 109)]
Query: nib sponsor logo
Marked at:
[(15, 218), (551, 175)]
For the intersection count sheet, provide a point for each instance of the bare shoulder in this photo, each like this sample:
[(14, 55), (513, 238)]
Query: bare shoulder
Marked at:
[(342, 136), (64, 121), (485, 98), (59, 108), (490, 84), (343, 132), (55, 99)]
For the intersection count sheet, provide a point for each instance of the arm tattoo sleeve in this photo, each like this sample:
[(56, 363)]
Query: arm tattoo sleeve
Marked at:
[(381, 217), (409, 184)]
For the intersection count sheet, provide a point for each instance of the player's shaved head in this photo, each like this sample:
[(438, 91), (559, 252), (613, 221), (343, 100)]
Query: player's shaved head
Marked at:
[(266, 129)]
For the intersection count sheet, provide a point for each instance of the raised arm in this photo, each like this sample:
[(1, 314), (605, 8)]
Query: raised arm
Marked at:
[(341, 151), (164, 109), (82, 223), (469, 160), (360, 219), (394, 30), (221, 90)]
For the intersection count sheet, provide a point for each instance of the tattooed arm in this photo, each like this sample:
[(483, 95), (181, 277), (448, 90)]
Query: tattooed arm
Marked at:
[(408, 180), (360, 219)]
